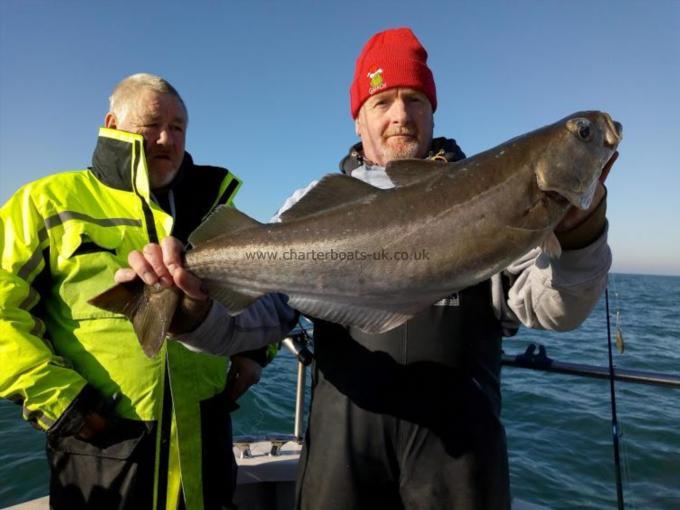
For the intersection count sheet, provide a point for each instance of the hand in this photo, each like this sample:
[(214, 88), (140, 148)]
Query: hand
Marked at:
[(164, 264), (243, 373), (575, 216), (93, 424)]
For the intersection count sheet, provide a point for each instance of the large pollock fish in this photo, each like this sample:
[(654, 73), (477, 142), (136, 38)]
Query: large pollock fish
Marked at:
[(357, 255)]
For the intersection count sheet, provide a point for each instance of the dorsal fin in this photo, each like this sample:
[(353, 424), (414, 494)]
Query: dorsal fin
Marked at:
[(403, 172), (223, 220), (332, 191)]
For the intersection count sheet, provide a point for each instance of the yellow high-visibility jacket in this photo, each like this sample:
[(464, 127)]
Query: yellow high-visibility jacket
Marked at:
[(62, 238)]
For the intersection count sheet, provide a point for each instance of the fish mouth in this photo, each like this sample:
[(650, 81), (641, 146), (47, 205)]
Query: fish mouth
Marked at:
[(580, 199)]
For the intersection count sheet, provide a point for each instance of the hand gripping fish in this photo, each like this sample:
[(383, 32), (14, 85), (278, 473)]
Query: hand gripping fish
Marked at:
[(357, 255)]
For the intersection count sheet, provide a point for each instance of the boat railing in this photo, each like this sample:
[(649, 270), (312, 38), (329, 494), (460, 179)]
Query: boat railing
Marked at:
[(535, 357), (298, 344)]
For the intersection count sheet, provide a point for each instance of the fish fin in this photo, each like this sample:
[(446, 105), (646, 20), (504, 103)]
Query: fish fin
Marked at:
[(234, 300), (331, 191), (223, 220), (403, 172), (551, 245), (367, 319), (149, 308)]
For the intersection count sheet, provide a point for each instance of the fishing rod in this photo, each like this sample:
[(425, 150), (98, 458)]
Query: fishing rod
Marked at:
[(615, 423), (540, 361)]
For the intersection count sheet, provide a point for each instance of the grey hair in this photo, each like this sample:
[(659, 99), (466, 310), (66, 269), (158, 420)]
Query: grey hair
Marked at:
[(126, 91)]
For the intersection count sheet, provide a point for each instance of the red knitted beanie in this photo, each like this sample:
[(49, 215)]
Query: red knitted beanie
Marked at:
[(393, 58)]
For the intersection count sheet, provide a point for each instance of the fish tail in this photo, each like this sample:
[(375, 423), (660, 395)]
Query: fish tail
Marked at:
[(150, 308)]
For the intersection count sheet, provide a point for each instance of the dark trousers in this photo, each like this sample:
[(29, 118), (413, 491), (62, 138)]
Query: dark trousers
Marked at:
[(357, 459), (115, 470), (386, 435)]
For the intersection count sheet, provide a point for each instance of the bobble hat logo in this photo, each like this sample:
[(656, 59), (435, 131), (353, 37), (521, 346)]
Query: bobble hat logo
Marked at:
[(376, 81)]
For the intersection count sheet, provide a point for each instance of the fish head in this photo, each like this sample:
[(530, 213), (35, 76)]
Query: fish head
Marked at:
[(580, 146)]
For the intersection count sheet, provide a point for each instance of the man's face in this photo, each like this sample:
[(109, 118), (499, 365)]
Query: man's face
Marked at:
[(395, 124), (162, 121)]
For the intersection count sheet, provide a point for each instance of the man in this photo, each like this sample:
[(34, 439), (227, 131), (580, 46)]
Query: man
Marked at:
[(123, 430), (411, 418)]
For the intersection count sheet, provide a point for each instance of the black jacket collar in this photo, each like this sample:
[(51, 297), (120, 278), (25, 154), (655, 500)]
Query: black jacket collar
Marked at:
[(446, 147), (116, 160)]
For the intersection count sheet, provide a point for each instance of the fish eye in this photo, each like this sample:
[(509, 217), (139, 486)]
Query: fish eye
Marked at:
[(580, 127)]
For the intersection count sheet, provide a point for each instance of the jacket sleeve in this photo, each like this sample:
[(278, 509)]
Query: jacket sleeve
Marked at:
[(31, 374), (558, 294), (266, 321)]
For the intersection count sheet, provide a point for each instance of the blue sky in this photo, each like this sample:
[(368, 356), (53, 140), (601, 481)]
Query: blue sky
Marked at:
[(266, 84)]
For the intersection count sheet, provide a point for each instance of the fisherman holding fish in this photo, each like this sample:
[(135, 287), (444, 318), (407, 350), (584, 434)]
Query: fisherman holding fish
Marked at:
[(405, 409), (124, 430), (410, 418)]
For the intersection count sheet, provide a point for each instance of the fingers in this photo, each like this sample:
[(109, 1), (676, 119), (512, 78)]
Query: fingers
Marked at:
[(189, 284), (173, 259), (149, 266), (162, 263), (173, 252), (155, 257), (124, 274)]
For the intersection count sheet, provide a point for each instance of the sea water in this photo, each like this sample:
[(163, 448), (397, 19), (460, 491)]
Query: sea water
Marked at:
[(558, 426)]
